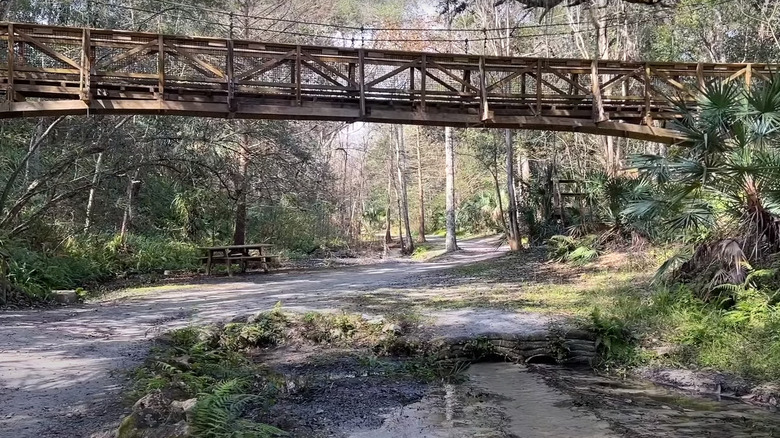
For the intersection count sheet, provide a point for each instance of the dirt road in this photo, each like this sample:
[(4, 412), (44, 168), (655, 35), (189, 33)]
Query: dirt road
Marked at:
[(62, 371)]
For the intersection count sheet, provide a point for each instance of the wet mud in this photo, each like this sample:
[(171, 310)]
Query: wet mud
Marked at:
[(347, 399)]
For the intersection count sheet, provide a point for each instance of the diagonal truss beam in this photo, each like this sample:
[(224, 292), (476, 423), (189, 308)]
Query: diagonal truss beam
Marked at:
[(444, 89), (45, 49)]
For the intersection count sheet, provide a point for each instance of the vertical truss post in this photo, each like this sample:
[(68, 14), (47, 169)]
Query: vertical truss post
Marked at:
[(598, 105), (423, 80), (573, 79), (748, 76), (483, 100), (700, 75), (523, 90), (86, 65), (539, 87), (411, 86), (230, 77), (362, 80), (10, 94), (160, 68), (298, 75), (648, 117)]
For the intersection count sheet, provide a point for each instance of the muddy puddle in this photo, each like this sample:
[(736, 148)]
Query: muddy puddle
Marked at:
[(509, 400)]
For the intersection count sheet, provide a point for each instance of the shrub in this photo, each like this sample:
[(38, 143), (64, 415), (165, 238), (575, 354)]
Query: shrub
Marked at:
[(571, 250)]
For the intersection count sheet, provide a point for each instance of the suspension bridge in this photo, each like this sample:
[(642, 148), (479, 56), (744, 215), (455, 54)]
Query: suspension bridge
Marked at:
[(55, 70)]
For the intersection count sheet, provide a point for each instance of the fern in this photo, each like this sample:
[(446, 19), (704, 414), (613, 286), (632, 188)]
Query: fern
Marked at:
[(218, 414), (166, 367)]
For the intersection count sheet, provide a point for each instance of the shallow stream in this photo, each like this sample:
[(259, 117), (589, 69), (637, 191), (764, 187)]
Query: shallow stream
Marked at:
[(509, 400)]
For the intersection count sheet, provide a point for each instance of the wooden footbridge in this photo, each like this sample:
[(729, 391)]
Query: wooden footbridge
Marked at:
[(50, 70)]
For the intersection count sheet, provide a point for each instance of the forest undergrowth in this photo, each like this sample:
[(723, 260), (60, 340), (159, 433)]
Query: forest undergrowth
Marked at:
[(639, 322)]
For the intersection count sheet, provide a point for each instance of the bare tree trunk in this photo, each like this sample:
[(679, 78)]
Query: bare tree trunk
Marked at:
[(9, 183), (33, 162), (239, 229), (92, 191), (96, 174), (133, 187), (388, 211), (403, 199), (514, 227), (400, 219), (499, 201), (449, 157), (9, 4), (599, 18), (420, 193)]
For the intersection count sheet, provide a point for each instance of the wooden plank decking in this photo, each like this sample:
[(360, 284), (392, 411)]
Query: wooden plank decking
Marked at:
[(51, 70)]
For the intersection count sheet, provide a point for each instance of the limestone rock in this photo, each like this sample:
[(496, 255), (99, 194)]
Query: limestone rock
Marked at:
[(155, 416), (151, 410), (65, 296), (183, 409), (392, 328), (767, 395)]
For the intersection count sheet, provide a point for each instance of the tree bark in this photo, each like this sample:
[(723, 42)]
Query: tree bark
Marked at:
[(599, 18), (239, 229), (92, 191), (133, 187), (33, 162), (388, 210), (451, 241), (400, 152), (9, 184), (96, 175), (499, 201), (420, 193), (514, 226)]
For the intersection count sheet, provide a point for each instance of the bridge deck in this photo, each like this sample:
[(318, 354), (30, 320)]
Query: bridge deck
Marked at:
[(50, 70)]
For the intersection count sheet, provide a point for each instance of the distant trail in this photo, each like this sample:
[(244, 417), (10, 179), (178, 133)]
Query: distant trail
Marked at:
[(62, 370)]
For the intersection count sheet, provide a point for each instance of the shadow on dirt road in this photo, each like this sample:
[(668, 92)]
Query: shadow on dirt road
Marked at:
[(62, 370)]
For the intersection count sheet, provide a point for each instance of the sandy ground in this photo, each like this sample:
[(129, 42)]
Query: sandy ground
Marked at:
[(62, 371)]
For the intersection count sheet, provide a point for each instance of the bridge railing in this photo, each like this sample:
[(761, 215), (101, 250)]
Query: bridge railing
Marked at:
[(47, 66)]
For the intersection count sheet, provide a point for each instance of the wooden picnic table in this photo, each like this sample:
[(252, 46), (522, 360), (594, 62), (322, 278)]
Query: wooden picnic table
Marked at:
[(241, 254)]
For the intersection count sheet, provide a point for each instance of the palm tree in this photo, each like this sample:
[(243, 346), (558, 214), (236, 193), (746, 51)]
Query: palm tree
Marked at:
[(721, 189)]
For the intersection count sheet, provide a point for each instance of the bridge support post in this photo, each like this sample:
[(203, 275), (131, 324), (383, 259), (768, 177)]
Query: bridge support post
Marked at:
[(486, 115), (86, 66), (298, 75), (700, 75), (539, 87), (362, 81), (10, 94), (647, 116), (598, 105), (230, 77), (160, 68), (423, 81)]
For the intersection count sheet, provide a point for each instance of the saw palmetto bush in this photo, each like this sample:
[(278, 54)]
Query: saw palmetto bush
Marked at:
[(607, 198), (720, 190)]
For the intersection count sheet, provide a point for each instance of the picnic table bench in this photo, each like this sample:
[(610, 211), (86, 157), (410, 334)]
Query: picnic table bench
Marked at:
[(238, 254)]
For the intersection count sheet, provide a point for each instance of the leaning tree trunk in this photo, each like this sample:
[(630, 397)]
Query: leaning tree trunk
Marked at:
[(420, 194), (400, 152), (451, 242), (514, 226)]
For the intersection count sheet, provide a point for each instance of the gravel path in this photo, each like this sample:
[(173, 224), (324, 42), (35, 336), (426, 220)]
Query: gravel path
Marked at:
[(62, 371)]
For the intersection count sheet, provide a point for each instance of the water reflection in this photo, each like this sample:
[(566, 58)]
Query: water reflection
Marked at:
[(503, 400)]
